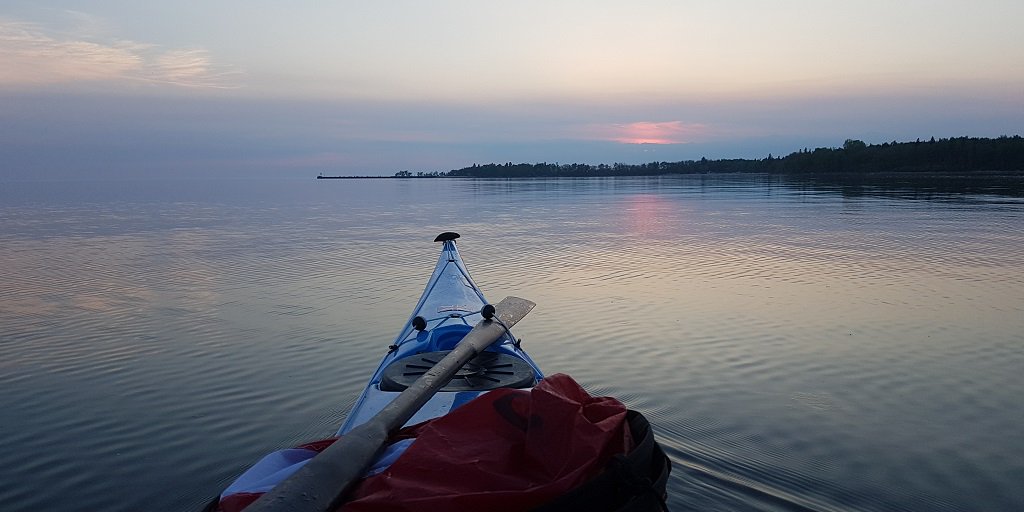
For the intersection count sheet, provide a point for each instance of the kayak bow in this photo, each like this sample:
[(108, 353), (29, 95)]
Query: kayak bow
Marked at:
[(450, 306)]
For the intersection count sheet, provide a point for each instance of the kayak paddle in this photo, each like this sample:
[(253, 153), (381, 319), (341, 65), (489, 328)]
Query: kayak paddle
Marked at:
[(322, 484)]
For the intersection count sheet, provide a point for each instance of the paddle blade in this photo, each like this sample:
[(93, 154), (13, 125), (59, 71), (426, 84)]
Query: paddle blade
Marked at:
[(512, 309)]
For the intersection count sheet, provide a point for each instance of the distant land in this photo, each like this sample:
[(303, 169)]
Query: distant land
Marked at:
[(965, 155)]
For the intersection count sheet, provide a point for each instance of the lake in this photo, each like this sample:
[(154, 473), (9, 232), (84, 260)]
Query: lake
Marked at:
[(798, 345)]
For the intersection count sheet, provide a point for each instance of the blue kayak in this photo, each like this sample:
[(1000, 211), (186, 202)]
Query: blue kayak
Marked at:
[(450, 306)]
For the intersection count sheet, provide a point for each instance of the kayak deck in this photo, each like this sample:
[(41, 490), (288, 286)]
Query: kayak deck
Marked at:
[(450, 306)]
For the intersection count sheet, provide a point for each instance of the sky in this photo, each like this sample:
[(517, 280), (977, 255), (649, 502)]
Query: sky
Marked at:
[(235, 88)]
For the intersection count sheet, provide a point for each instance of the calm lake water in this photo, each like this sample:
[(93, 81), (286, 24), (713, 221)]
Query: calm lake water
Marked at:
[(798, 346)]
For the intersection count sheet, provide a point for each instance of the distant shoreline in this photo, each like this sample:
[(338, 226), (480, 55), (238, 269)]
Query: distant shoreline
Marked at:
[(873, 174), (964, 156)]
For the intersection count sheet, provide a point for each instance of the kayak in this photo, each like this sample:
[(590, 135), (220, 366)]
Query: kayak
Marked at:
[(450, 306), (457, 416)]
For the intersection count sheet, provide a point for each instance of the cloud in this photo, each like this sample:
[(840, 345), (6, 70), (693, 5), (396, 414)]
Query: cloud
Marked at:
[(30, 56), (647, 132), (190, 68)]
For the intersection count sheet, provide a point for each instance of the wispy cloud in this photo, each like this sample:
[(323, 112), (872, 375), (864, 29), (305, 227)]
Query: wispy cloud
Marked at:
[(190, 68), (29, 55), (648, 132)]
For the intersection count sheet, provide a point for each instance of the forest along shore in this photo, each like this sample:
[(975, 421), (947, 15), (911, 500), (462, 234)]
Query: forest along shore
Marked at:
[(1002, 156)]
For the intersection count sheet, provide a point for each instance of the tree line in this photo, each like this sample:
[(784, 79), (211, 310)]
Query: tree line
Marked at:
[(959, 154)]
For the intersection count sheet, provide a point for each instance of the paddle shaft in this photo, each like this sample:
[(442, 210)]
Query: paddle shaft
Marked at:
[(322, 484)]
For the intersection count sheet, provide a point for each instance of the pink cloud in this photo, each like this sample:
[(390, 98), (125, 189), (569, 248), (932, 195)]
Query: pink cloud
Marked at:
[(647, 132), (672, 132), (31, 56)]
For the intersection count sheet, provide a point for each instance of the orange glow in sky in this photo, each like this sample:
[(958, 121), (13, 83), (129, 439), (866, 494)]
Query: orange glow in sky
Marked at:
[(368, 88), (646, 132)]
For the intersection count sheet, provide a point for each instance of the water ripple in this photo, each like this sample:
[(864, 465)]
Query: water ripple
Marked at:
[(795, 349)]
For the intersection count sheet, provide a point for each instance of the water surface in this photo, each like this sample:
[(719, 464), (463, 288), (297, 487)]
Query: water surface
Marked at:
[(798, 346)]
